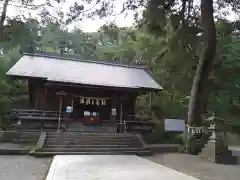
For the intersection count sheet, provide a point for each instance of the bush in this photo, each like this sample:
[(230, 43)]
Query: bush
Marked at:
[(162, 137)]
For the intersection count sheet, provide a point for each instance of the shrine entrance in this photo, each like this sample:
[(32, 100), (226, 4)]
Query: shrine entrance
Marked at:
[(90, 105), (92, 110)]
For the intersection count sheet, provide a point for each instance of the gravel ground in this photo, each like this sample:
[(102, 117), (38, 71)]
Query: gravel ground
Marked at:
[(194, 166), (23, 167)]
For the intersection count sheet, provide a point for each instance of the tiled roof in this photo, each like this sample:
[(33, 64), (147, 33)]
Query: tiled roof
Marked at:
[(71, 70)]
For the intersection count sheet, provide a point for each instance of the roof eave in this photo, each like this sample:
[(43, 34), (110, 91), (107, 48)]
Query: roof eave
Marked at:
[(146, 89), (24, 77), (82, 60), (102, 86)]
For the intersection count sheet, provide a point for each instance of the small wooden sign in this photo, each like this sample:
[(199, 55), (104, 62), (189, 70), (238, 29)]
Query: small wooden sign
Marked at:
[(61, 93)]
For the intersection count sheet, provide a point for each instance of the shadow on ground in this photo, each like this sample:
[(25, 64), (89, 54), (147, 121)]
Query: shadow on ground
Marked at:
[(194, 166)]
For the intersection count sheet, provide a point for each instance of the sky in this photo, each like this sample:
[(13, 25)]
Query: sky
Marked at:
[(88, 25)]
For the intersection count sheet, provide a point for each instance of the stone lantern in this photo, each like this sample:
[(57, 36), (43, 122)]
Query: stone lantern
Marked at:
[(216, 129), (216, 150)]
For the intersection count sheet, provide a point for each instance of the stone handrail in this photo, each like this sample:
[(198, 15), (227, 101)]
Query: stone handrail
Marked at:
[(41, 140)]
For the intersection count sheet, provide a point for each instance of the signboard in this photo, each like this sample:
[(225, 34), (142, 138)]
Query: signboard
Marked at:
[(175, 125), (114, 112)]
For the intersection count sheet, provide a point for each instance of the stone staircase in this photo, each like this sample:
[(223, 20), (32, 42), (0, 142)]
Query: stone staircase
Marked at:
[(80, 127), (57, 143)]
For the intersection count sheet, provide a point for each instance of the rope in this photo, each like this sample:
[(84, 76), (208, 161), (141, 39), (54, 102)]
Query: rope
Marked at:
[(194, 129)]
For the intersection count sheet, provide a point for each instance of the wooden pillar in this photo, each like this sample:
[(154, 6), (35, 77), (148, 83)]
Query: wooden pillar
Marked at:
[(40, 96), (44, 97), (37, 99), (132, 105), (30, 93), (121, 110), (150, 100), (134, 108)]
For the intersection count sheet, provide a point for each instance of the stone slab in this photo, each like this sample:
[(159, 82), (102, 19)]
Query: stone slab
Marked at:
[(110, 167)]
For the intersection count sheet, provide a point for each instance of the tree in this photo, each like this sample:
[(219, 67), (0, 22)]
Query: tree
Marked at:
[(3, 17), (185, 19), (26, 4), (198, 92)]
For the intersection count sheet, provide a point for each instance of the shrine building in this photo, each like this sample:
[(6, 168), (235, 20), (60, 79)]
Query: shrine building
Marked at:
[(92, 89)]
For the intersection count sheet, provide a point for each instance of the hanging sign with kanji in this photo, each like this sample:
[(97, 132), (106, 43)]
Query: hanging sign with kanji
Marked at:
[(93, 101)]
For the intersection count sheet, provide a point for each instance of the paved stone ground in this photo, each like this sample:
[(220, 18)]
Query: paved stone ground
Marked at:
[(196, 167), (23, 167), (110, 167)]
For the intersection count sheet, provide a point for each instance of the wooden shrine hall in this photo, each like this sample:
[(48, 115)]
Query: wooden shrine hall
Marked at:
[(88, 91)]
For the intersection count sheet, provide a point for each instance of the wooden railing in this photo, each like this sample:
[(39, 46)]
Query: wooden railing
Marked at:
[(50, 119), (131, 123), (41, 119), (33, 114)]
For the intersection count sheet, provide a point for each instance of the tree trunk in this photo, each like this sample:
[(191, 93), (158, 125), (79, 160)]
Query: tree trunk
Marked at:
[(3, 17), (199, 85)]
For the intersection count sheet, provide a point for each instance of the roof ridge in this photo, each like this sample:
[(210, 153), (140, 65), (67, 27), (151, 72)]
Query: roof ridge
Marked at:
[(81, 60)]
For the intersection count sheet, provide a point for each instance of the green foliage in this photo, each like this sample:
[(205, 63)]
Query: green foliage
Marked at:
[(162, 137), (9, 89)]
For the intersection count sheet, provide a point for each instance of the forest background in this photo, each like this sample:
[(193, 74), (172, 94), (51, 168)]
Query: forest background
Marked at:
[(167, 36)]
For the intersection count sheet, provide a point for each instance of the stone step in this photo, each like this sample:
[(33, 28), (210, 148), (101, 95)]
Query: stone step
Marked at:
[(23, 135), (90, 136), (90, 127), (74, 134), (50, 140), (88, 131), (85, 129), (106, 130), (84, 141), (139, 153), (26, 134), (90, 139), (86, 146), (93, 141), (83, 149)]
